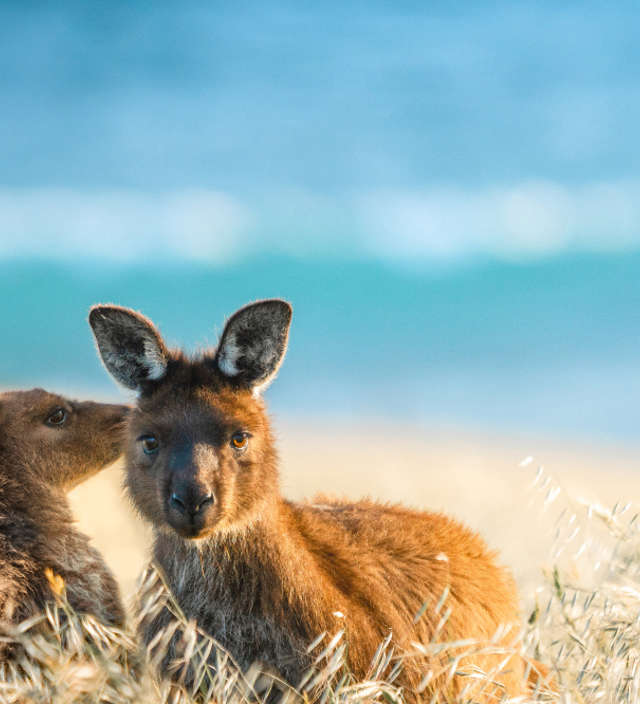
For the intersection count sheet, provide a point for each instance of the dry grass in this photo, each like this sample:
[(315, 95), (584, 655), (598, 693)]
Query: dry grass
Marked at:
[(585, 625), (587, 616)]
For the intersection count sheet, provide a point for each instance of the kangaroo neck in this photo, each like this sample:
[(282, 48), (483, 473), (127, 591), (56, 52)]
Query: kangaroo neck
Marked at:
[(29, 500), (264, 556)]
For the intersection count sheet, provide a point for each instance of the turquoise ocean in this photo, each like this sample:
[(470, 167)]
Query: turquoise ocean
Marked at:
[(550, 346), (448, 195)]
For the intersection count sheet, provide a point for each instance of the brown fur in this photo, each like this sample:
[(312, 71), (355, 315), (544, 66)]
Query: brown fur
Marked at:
[(39, 462), (264, 575)]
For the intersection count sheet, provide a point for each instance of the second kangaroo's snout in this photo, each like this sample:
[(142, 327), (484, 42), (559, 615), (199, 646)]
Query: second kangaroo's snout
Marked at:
[(113, 413), (101, 427), (71, 440), (112, 417)]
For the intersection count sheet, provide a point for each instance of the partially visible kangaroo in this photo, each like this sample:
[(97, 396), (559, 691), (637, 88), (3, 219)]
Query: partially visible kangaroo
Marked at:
[(265, 575), (48, 445)]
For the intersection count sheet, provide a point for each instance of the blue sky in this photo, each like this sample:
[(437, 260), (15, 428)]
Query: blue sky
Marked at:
[(448, 193), (403, 131)]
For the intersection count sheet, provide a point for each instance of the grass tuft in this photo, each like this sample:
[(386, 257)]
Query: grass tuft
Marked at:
[(584, 624)]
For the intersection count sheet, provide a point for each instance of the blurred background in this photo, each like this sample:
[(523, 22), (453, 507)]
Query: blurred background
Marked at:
[(449, 195)]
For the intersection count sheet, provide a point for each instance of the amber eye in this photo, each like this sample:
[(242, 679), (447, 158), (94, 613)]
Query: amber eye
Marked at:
[(240, 440), (150, 444), (57, 417)]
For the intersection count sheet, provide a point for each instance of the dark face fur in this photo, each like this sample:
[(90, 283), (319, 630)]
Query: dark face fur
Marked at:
[(198, 454), (63, 441), (200, 457)]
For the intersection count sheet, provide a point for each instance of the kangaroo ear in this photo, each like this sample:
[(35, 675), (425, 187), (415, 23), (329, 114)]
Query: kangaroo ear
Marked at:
[(254, 341), (130, 346)]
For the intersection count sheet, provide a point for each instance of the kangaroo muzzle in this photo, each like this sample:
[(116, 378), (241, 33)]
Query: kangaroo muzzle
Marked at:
[(190, 500), (190, 497)]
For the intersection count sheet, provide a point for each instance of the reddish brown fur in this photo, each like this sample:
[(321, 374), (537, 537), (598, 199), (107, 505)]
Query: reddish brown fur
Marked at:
[(39, 462), (265, 575)]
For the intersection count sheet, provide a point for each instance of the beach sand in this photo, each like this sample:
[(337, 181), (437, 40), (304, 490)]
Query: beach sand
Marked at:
[(476, 477)]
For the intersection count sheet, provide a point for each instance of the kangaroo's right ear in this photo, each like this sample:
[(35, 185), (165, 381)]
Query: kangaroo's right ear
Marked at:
[(130, 346)]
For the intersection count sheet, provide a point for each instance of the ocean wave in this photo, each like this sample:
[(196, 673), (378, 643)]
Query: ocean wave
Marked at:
[(528, 220)]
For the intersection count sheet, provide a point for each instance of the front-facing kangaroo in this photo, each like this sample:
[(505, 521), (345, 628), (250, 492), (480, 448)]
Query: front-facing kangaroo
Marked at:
[(262, 574), (48, 445)]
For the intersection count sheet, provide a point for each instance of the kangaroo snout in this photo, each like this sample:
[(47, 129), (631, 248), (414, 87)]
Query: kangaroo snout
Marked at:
[(189, 494), (191, 501), (116, 413), (120, 411), (189, 507), (106, 416)]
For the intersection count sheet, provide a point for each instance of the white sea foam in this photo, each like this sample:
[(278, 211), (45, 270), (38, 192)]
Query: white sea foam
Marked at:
[(128, 226), (527, 220)]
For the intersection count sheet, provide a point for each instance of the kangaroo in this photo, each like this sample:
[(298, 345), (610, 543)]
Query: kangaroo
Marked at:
[(48, 445), (264, 575)]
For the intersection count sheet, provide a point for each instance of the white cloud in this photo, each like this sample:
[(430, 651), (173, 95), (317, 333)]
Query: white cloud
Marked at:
[(529, 219), (61, 223), (522, 221)]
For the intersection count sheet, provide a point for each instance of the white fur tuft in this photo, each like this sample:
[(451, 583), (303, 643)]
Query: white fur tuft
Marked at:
[(228, 356), (259, 388), (154, 360)]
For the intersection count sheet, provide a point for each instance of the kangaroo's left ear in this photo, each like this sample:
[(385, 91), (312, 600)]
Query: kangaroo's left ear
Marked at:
[(129, 344), (254, 342)]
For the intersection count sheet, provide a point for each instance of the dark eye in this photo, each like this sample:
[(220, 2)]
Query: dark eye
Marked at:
[(240, 440), (150, 444), (57, 417)]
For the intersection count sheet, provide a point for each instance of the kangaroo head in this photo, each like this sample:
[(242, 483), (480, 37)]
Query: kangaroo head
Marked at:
[(60, 440), (200, 457)]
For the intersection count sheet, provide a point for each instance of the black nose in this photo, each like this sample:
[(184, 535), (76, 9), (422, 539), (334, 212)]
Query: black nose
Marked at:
[(191, 505)]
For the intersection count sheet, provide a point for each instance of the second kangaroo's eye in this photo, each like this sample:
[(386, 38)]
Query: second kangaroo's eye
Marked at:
[(57, 417), (240, 440), (150, 444)]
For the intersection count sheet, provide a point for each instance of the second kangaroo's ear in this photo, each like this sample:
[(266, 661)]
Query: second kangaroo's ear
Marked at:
[(130, 346), (254, 341)]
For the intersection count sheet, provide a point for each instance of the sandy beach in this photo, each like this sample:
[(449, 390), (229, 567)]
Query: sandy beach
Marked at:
[(477, 477)]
